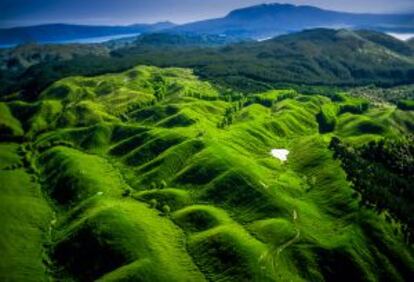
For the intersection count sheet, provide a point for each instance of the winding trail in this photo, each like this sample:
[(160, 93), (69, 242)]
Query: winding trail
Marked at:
[(294, 239), (271, 256)]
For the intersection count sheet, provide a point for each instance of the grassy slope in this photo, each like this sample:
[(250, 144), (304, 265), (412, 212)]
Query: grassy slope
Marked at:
[(142, 179), (25, 218)]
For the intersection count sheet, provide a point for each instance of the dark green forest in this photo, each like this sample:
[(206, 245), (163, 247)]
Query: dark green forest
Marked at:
[(318, 57)]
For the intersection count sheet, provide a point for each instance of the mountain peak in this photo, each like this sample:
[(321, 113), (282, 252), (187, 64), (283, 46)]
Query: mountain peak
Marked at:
[(268, 9), (269, 20)]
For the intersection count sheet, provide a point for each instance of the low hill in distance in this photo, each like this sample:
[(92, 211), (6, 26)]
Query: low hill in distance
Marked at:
[(22, 57), (319, 56), (312, 57)]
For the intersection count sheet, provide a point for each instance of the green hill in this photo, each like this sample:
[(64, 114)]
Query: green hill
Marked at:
[(22, 57), (155, 175), (313, 57), (321, 57)]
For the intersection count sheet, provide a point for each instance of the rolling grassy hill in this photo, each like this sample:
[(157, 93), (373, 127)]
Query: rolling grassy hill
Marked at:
[(155, 175)]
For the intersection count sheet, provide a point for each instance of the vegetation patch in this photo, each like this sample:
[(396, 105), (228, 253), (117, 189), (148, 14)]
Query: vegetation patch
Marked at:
[(156, 175)]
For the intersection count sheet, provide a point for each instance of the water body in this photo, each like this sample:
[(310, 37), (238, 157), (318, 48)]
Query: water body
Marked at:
[(2, 46), (99, 39), (402, 36), (88, 40)]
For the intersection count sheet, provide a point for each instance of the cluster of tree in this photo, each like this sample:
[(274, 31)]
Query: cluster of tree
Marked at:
[(229, 114), (406, 105), (358, 107), (35, 79), (317, 57), (379, 95), (160, 88), (185, 39), (158, 185), (383, 173)]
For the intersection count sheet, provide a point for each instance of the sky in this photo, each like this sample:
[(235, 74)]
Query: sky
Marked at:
[(122, 12)]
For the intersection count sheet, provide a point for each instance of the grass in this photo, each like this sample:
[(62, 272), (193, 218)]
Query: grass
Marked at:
[(25, 218), (146, 185), (128, 234), (9, 125), (327, 118), (73, 177), (174, 198), (406, 105), (9, 155)]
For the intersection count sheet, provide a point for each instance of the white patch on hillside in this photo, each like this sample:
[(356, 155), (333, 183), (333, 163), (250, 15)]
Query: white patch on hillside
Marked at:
[(280, 154)]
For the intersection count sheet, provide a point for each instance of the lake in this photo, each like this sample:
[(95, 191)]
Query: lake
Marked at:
[(401, 36), (88, 40)]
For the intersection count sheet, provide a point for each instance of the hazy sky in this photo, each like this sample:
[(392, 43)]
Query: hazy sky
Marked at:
[(112, 12)]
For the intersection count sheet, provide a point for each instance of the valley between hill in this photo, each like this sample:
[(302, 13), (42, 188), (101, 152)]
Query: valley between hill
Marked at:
[(155, 175)]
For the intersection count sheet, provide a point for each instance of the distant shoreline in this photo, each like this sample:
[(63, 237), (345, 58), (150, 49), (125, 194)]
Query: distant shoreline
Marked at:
[(88, 40), (401, 36)]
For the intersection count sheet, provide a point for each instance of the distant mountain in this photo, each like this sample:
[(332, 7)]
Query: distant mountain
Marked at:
[(268, 20), (314, 57), (256, 22), (53, 33)]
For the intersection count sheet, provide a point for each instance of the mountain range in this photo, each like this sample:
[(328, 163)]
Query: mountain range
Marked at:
[(54, 33), (268, 20), (256, 22)]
